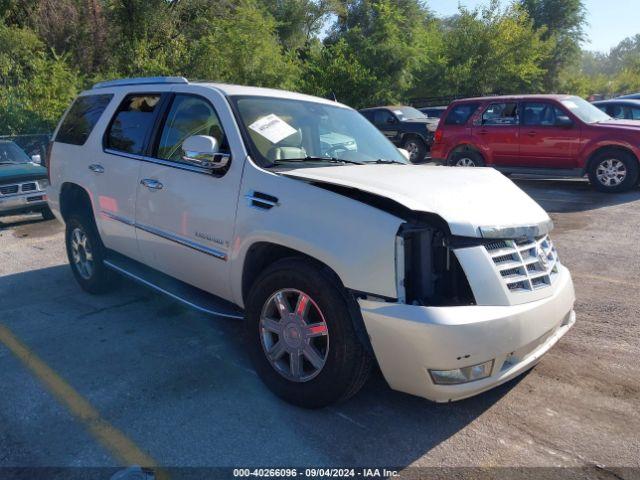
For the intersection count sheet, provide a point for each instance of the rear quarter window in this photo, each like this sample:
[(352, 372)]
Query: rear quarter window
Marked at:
[(81, 118), (460, 114)]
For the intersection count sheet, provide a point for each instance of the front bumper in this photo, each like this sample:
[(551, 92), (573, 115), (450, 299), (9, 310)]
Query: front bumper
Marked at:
[(409, 340), (23, 202)]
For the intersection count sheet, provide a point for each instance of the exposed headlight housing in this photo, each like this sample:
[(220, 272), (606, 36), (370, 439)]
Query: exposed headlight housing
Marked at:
[(462, 375)]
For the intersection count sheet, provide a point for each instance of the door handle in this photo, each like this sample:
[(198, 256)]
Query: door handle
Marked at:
[(483, 132), (151, 184), (95, 168), (532, 134)]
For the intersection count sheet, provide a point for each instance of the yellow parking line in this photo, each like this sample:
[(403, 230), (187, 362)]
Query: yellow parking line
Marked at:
[(110, 437)]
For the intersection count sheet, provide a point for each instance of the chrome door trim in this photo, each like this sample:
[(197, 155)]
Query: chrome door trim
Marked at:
[(169, 294), (182, 241), (158, 161), (118, 218), (168, 236)]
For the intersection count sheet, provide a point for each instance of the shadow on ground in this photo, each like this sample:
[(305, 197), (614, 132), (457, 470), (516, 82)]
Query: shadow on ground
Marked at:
[(574, 195), (180, 384)]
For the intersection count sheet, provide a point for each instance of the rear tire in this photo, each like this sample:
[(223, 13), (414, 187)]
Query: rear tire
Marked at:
[(466, 158), (86, 255), (613, 171), (337, 364)]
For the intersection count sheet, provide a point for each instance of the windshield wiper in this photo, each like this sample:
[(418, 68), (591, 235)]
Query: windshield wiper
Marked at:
[(310, 158), (382, 161)]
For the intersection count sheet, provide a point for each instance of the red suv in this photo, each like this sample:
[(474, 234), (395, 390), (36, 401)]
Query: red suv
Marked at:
[(551, 135)]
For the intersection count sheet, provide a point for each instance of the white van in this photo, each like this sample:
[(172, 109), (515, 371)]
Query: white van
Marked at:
[(297, 215)]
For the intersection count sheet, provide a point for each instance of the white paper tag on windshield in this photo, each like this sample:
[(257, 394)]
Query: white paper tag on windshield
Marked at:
[(273, 128)]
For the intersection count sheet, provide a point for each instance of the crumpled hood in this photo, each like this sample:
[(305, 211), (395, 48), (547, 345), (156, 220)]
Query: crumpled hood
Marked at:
[(466, 198)]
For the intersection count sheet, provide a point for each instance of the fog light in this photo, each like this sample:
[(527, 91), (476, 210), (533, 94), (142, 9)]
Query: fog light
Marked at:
[(462, 375)]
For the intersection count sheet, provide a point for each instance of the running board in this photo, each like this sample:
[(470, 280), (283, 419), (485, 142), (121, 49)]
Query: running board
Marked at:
[(191, 296)]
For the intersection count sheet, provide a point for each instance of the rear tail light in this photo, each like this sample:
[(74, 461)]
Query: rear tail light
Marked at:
[(438, 136), (48, 160)]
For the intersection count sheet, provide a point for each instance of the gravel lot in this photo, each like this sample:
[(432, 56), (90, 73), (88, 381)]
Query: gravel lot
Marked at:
[(178, 384)]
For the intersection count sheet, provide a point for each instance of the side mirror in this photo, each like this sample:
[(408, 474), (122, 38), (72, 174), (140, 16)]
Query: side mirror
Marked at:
[(36, 159), (564, 121), (202, 151), (392, 120), (405, 153)]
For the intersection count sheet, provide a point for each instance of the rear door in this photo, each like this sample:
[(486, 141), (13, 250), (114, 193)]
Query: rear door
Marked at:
[(388, 124), (545, 140), (498, 133), (115, 169), (185, 215)]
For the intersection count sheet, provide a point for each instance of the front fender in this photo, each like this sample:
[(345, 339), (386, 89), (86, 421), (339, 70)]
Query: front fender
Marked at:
[(355, 240)]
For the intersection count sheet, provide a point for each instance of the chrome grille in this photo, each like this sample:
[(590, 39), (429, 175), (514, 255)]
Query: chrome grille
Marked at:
[(19, 188), (9, 189), (525, 264)]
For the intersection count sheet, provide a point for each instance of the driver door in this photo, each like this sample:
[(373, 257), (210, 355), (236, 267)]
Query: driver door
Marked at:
[(387, 123), (185, 214)]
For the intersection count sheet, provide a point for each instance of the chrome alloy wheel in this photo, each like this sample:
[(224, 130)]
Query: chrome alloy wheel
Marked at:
[(81, 253), (465, 162), (295, 340), (611, 172), (413, 149)]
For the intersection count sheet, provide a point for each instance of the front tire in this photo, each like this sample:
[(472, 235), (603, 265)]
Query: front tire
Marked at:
[(47, 214), (416, 147), (301, 336), (613, 171), (86, 255)]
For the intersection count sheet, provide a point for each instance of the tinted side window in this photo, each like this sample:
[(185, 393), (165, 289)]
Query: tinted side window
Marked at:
[(189, 115), (132, 123), (635, 113), (382, 117), (540, 114), (616, 111), (460, 114), (501, 114), (81, 118)]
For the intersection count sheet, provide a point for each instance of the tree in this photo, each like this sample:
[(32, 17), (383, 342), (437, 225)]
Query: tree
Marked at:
[(241, 46), (562, 22), (35, 88), (377, 44), (492, 50)]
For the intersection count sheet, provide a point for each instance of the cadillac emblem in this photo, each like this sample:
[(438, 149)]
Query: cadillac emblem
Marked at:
[(542, 256)]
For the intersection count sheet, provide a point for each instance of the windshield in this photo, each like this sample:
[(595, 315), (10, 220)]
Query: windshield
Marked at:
[(584, 110), (409, 113), (286, 131), (12, 153)]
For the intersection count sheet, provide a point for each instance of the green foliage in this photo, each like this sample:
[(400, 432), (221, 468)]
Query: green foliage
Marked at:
[(241, 47), (35, 88), (562, 23), (363, 52), (490, 50)]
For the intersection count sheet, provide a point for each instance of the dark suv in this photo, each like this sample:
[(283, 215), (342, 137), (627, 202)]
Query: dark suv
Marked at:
[(551, 135), (406, 127)]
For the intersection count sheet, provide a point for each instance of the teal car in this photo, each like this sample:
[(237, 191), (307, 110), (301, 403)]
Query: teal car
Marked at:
[(23, 183)]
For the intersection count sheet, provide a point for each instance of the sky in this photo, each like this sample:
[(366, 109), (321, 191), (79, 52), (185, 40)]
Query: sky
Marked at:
[(610, 21)]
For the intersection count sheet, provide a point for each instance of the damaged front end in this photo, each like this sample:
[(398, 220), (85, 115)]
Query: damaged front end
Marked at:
[(428, 271)]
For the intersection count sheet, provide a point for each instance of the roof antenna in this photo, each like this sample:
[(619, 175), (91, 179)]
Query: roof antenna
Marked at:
[(335, 99)]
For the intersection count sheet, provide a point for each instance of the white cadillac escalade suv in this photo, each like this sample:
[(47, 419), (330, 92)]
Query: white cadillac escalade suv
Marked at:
[(298, 215)]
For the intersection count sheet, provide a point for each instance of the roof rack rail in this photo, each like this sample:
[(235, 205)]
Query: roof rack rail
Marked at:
[(140, 81)]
